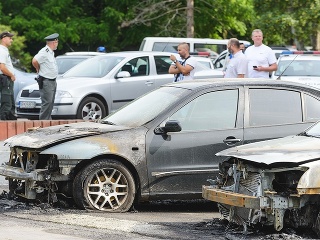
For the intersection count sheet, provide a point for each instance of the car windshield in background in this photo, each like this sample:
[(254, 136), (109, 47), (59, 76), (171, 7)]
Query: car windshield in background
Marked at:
[(64, 64), (95, 67), (299, 67), (151, 105), (314, 130)]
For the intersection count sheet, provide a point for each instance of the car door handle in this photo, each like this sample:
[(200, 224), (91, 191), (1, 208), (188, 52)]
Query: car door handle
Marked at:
[(231, 141), (148, 83)]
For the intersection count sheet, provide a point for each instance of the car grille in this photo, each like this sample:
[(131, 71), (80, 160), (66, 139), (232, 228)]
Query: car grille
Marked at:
[(33, 94), (28, 110)]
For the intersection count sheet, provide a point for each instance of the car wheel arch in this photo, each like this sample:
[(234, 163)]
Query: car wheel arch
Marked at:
[(105, 184), (97, 96), (114, 157)]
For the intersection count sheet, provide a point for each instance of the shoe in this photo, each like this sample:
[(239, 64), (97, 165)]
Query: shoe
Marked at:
[(11, 117)]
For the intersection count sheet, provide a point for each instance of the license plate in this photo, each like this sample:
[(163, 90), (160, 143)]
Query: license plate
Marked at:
[(27, 104)]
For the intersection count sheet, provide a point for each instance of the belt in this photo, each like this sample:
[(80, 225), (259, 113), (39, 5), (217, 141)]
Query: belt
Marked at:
[(50, 79)]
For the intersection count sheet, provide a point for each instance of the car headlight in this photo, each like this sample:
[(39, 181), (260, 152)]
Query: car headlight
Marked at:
[(63, 94)]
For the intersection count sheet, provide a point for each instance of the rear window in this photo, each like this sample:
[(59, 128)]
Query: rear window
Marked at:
[(270, 107), (165, 46)]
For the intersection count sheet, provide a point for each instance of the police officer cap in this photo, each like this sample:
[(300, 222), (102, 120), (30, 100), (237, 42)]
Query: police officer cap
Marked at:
[(5, 34), (52, 37)]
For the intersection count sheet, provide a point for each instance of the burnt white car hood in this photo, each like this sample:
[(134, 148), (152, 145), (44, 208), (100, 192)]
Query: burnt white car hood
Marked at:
[(295, 149), (41, 137)]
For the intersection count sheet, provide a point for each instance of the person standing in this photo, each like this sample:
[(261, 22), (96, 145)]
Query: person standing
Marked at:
[(261, 59), (7, 77), (238, 64), (242, 47), (46, 66), (185, 67)]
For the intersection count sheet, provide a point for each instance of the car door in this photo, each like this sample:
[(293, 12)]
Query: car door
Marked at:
[(126, 89), (180, 163), (161, 70), (278, 112)]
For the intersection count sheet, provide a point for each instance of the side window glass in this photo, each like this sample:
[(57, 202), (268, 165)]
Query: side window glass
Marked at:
[(215, 110), (274, 106), (312, 106), (165, 46), (137, 66), (162, 64)]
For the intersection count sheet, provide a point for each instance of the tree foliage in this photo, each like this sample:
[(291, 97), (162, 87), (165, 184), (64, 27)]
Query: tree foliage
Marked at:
[(289, 22), (119, 25)]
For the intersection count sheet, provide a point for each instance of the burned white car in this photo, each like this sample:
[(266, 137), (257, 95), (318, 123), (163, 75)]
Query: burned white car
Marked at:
[(274, 182)]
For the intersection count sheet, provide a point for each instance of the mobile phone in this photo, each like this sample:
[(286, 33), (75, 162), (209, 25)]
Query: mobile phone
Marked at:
[(254, 66)]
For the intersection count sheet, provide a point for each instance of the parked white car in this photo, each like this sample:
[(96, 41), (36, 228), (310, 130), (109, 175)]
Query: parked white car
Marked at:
[(100, 85), (299, 66)]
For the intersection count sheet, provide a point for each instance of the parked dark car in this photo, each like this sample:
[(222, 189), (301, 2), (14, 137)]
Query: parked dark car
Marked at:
[(160, 146), (271, 183)]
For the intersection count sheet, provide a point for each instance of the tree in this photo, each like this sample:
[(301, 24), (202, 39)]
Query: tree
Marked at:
[(19, 57), (119, 25), (291, 22)]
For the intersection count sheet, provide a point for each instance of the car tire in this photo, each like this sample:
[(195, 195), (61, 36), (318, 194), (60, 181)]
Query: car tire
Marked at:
[(91, 108), (105, 185)]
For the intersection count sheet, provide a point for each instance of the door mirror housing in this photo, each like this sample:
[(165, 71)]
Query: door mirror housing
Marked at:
[(170, 126)]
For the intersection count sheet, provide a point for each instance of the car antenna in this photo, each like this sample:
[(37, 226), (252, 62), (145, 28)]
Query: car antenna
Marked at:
[(278, 78), (165, 46)]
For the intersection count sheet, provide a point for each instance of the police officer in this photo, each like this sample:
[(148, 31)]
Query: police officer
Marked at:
[(46, 66), (7, 78)]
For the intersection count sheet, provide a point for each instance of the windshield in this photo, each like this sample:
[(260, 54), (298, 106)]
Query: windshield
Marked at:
[(95, 67), (313, 131), (146, 108), (299, 68)]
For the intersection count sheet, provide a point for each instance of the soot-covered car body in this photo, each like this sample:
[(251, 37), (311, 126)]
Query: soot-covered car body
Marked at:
[(160, 146), (274, 182)]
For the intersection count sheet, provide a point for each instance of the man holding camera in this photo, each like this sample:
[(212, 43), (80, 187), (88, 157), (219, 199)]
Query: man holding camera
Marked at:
[(7, 78), (45, 64)]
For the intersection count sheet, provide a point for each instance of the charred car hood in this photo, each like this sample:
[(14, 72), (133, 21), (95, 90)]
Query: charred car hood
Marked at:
[(41, 137), (295, 149)]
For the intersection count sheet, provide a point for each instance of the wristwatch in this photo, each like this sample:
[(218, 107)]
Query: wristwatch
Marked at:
[(175, 61)]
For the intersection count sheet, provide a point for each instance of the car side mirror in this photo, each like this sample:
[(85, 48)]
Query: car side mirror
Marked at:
[(123, 74), (170, 126)]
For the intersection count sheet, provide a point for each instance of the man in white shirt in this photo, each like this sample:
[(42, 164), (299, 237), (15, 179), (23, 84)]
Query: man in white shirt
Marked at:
[(238, 64), (261, 59), (46, 66), (185, 67)]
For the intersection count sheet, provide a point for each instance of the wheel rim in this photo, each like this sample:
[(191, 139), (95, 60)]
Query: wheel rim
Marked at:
[(91, 111), (107, 189)]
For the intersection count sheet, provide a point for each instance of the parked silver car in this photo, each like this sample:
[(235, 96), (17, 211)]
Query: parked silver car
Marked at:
[(70, 59), (23, 79), (99, 85)]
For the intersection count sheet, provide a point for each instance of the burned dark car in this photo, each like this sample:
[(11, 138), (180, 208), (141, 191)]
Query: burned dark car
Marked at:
[(274, 182), (160, 146)]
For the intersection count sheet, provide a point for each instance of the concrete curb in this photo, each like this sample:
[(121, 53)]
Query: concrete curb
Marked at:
[(11, 128)]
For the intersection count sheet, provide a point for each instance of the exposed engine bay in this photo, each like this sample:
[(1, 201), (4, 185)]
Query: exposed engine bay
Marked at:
[(250, 193)]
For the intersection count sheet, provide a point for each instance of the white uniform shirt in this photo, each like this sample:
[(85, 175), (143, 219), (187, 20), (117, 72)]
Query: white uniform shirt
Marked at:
[(259, 56), (238, 64), (190, 61), (6, 59), (47, 62)]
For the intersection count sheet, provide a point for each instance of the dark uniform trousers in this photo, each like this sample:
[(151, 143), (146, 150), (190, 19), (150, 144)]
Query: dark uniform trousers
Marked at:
[(7, 107), (47, 95)]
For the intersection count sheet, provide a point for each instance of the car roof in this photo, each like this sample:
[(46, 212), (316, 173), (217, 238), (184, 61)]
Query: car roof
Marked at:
[(222, 82)]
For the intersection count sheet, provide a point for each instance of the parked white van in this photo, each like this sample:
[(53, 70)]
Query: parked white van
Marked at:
[(170, 44)]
